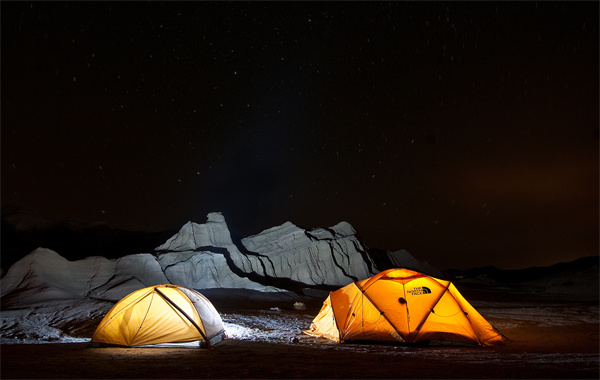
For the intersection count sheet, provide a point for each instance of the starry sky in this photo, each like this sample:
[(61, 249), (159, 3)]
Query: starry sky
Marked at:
[(464, 132)]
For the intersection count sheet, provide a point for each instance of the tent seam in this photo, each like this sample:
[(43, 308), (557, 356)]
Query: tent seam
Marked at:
[(417, 330), (466, 315), (143, 320), (120, 311)]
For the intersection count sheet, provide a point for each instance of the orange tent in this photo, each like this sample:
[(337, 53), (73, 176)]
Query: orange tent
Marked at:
[(160, 314), (405, 306)]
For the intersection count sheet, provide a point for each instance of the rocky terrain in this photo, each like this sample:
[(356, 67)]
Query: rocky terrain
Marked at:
[(282, 263), (267, 289)]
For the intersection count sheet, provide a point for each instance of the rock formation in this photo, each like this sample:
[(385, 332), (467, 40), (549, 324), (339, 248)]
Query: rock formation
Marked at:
[(45, 275), (204, 256), (286, 256)]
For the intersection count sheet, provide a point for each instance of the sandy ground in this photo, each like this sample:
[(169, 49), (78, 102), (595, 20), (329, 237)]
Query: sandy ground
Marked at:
[(552, 338)]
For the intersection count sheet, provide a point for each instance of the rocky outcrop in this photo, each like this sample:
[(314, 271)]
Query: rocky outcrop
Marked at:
[(331, 257), (204, 256), (285, 256), (46, 275)]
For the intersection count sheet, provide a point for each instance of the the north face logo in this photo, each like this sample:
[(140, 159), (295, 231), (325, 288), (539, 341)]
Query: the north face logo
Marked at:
[(419, 291)]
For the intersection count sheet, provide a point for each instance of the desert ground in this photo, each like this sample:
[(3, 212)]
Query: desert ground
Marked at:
[(553, 336)]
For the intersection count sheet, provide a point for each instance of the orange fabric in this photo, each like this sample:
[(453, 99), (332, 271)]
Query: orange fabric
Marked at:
[(324, 324), (402, 305)]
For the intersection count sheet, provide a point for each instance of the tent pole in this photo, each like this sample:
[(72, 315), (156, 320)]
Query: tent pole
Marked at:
[(185, 314), (418, 329), (364, 294)]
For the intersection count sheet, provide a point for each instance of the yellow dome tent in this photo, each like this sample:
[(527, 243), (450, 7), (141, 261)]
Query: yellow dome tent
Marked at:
[(405, 306), (160, 314)]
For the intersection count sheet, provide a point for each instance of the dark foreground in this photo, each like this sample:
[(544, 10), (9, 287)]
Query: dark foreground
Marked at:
[(247, 359), (549, 353)]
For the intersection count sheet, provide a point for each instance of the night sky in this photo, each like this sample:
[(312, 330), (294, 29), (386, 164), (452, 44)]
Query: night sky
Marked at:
[(464, 132)]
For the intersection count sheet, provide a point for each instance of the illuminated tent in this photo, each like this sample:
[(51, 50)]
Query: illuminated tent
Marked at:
[(405, 306), (160, 314)]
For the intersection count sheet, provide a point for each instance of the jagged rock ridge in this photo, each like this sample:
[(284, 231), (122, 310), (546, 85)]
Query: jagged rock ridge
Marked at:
[(204, 256), (287, 255)]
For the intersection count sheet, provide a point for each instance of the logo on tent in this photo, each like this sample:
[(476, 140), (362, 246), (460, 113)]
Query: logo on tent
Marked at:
[(419, 291)]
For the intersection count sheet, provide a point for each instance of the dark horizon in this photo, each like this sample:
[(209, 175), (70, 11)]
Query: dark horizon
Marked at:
[(70, 251), (465, 133)]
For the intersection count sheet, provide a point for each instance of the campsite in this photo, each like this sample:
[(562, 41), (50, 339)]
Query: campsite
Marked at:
[(68, 315), (552, 337), (299, 190)]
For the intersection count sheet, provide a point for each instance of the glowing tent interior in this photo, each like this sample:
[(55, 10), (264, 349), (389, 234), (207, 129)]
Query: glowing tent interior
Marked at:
[(405, 306), (160, 314)]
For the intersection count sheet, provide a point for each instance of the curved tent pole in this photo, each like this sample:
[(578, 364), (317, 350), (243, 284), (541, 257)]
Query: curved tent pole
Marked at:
[(375, 278), (418, 328), (185, 314), (383, 275), (364, 294)]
